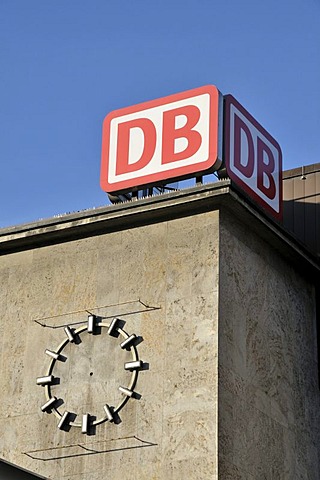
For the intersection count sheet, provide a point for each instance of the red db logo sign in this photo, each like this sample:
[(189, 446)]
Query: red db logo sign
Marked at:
[(161, 140), (253, 158)]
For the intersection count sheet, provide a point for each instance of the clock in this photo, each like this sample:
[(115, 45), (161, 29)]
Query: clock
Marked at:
[(121, 344)]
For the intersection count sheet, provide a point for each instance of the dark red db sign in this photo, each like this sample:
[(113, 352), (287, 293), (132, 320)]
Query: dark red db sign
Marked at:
[(253, 157)]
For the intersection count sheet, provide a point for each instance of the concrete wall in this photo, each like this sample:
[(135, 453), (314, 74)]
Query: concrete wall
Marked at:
[(268, 371), (162, 280)]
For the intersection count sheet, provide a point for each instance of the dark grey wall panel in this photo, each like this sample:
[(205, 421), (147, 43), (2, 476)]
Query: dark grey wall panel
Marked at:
[(9, 472), (301, 210)]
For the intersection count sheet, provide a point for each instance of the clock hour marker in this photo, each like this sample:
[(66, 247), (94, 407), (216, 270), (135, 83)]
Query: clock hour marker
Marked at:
[(91, 323), (108, 413), (69, 333), (126, 391), (49, 404), (63, 420), (85, 422), (52, 354), (112, 326), (128, 341), (133, 365), (44, 380)]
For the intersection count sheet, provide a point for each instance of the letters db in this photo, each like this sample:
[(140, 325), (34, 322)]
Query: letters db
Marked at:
[(164, 139), (253, 158)]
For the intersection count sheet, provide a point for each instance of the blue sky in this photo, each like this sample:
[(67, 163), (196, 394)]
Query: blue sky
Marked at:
[(65, 64)]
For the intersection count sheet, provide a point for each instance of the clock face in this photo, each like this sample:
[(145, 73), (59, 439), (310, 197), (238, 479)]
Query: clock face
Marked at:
[(91, 375)]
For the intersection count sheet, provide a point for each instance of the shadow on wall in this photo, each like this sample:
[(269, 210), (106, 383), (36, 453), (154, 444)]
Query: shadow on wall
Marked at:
[(9, 472)]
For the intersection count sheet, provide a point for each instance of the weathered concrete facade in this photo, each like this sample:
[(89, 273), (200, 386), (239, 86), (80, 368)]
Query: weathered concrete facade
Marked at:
[(268, 362), (226, 322)]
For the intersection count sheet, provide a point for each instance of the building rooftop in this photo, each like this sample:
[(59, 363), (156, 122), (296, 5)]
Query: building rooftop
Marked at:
[(200, 198)]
